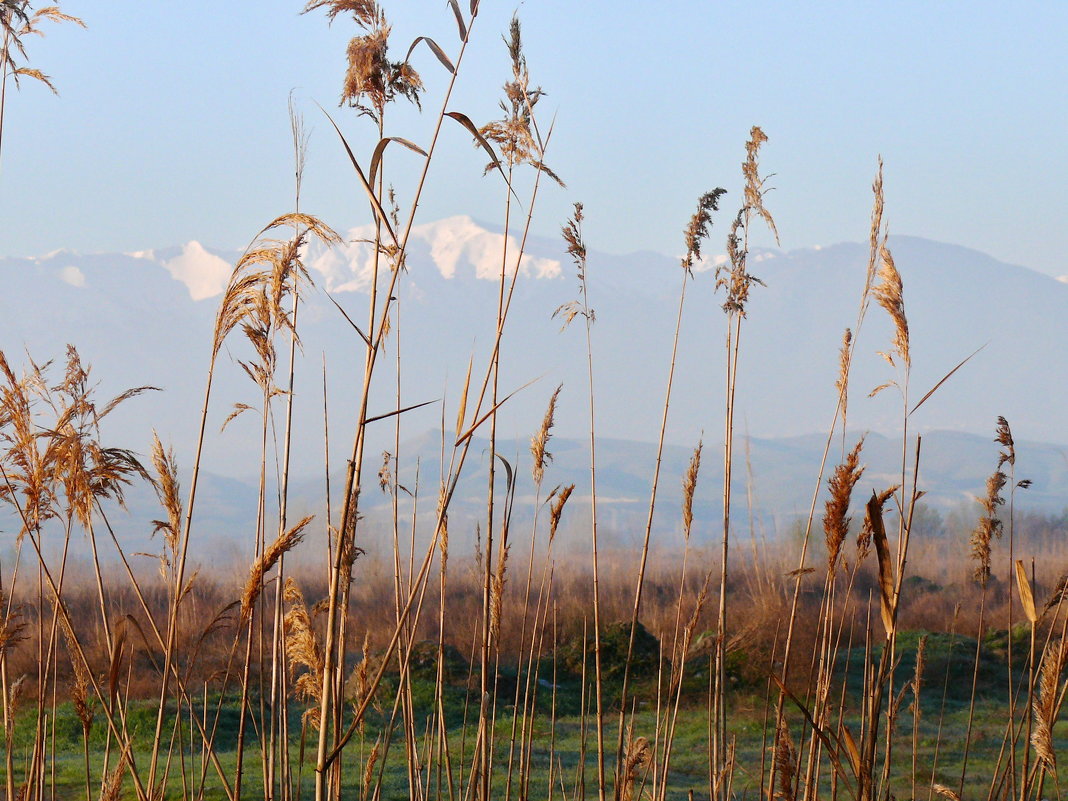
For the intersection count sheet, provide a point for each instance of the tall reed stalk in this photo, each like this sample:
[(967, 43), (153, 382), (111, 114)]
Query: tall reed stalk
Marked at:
[(737, 283)]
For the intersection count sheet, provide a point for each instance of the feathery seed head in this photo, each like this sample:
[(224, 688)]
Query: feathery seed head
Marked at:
[(285, 542), (539, 443), (835, 519), (865, 534), (1003, 437), (735, 278), (370, 76), (689, 487), (556, 507), (888, 294), (698, 227), (988, 527), (785, 761)]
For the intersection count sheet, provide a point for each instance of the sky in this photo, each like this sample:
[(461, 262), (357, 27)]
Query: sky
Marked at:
[(171, 124)]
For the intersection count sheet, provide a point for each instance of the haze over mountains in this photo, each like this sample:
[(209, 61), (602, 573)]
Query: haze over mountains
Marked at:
[(146, 318)]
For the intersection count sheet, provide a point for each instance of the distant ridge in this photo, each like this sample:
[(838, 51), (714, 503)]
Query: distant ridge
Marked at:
[(146, 318)]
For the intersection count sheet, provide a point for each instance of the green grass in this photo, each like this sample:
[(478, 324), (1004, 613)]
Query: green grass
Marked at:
[(689, 767)]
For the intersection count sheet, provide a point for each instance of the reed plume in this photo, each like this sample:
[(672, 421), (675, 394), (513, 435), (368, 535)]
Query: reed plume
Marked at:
[(835, 519), (635, 763), (988, 527), (285, 542), (785, 762), (1003, 436), (18, 20), (169, 494), (558, 498), (697, 229), (515, 134), (734, 277), (371, 80), (888, 293), (540, 441), (304, 651), (1045, 704), (689, 487)]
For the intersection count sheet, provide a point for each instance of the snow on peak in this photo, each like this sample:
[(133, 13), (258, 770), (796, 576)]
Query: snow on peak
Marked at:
[(1063, 279), (706, 263), (73, 276), (56, 254), (456, 245), (204, 274), (460, 238)]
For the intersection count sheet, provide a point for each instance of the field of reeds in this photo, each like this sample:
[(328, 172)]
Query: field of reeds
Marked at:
[(855, 660)]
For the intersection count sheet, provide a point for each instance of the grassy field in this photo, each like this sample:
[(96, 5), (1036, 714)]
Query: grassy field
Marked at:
[(561, 737)]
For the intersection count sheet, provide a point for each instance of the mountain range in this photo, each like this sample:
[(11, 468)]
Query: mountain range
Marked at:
[(145, 318)]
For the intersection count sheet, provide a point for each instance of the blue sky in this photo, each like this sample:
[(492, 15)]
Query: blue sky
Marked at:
[(172, 121)]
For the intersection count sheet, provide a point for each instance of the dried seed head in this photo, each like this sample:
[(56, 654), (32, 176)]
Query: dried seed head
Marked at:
[(635, 761), (698, 227), (370, 76), (556, 508), (285, 542), (988, 527), (889, 294), (112, 789), (877, 236), (516, 133), (689, 487), (835, 519), (785, 761), (497, 593), (303, 650), (369, 769), (385, 475), (945, 792), (865, 533), (168, 492), (540, 441), (735, 278), (576, 248), (842, 382), (1044, 706), (1004, 438)]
